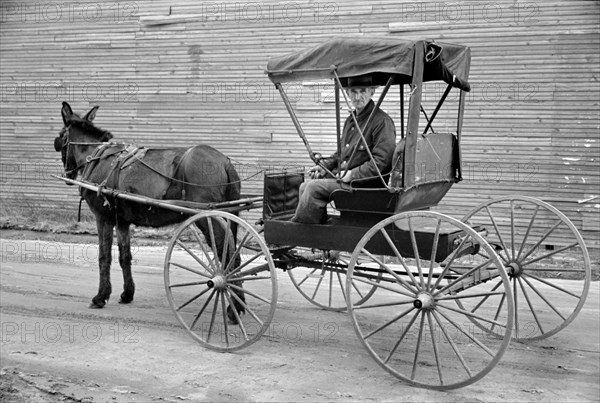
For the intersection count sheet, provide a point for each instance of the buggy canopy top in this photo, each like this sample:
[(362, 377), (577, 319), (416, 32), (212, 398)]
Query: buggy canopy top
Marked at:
[(378, 57)]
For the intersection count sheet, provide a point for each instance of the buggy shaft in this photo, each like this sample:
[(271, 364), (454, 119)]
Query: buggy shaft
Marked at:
[(180, 206)]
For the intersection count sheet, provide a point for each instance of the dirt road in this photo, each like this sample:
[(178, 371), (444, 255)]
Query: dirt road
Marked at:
[(56, 349)]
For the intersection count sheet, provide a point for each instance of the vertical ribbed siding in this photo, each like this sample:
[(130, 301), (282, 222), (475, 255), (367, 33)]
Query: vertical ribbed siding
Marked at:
[(191, 72)]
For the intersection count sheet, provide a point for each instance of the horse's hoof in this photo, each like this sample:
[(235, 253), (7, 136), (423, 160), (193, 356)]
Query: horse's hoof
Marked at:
[(125, 300), (231, 319), (98, 303)]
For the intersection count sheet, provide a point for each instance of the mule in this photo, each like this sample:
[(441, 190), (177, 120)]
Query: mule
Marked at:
[(198, 174)]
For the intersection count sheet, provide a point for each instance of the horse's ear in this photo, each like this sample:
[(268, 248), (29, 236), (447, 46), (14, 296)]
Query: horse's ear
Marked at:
[(91, 115), (67, 113)]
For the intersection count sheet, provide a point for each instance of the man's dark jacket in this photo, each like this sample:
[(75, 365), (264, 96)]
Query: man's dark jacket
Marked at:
[(380, 136)]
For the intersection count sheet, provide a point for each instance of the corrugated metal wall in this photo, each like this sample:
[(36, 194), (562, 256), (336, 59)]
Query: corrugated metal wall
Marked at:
[(180, 73)]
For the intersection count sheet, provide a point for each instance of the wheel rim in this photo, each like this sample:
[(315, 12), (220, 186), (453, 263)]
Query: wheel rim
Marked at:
[(549, 278), (324, 282), (411, 326), (201, 289)]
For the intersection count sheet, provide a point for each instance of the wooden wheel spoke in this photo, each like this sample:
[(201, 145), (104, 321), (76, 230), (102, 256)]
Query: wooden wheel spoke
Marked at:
[(225, 325), (233, 273), (472, 315), (213, 240), (330, 287), (418, 347), (435, 347), (449, 263), (499, 310), (531, 308), (399, 279), (237, 253), (551, 305), (516, 302), (463, 296), (209, 268), (188, 284), (457, 352), (433, 253), (468, 334), (247, 308), (541, 280), (248, 292), (383, 304), (202, 245), (251, 278), (542, 239), (512, 228), (386, 324), (189, 301), (552, 253), (457, 280), (500, 238), (307, 276), (318, 286), (237, 315), (184, 267), (480, 303), (358, 291), (413, 241), (400, 258), (210, 297), (524, 241), (342, 289), (379, 285), (404, 333), (226, 241), (213, 317)]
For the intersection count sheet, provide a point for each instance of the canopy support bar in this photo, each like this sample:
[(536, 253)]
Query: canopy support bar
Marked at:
[(315, 157), (437, 109), (338, 127), (401, 111)]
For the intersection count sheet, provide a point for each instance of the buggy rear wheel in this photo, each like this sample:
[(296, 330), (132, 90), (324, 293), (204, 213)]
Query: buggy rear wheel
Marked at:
[(222, 292), (321, 279), (411, 326), (545, 257)]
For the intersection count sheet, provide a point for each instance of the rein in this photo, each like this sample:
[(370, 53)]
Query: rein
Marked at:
[(98, 144)]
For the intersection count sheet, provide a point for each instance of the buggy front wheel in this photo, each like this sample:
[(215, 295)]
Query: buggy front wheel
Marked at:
[(220, 281)]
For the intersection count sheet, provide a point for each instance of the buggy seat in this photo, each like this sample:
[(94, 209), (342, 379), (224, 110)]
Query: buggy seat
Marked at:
[(436, 169)]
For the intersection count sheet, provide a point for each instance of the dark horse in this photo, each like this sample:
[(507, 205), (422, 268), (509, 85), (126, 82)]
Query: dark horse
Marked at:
[(198, 174)]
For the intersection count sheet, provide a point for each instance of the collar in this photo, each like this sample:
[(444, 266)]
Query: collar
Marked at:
[(364, 114)]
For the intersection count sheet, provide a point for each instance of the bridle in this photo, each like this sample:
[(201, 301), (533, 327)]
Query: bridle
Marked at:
[(65, 147)]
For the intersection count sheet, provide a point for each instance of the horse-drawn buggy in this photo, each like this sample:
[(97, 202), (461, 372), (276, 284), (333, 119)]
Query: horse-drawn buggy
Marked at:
[(434, 299)]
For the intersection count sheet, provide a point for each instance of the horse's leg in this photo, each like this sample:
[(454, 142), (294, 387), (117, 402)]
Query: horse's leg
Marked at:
[(105, 237), (124, 241)]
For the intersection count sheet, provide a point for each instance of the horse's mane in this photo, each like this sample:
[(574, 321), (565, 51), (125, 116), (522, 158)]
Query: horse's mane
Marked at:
[(89, 128)]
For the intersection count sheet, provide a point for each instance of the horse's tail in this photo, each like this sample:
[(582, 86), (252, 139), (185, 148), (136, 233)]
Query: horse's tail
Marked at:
[(234, 184)]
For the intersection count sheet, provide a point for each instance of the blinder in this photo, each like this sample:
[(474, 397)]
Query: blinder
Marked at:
[(58, 143)]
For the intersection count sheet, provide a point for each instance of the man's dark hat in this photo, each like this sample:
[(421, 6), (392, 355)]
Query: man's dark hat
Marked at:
[(358, 82)]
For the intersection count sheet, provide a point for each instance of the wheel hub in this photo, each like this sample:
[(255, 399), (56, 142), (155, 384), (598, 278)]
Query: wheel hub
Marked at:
[(424, 301), (217, 282), (514, 269)]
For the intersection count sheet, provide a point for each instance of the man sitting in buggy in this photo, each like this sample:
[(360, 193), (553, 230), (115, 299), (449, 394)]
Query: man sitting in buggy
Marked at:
[(352, 164)]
